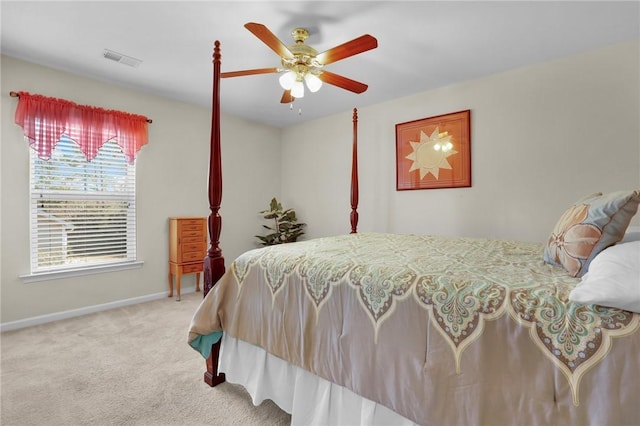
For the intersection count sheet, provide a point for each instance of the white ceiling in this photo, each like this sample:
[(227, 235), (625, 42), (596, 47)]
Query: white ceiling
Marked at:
[(421, 45)]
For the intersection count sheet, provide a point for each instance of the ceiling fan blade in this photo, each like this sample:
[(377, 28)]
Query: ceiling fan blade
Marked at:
[(350, 48), (249, 72), (268, 38), (342, 82), (287, 98)]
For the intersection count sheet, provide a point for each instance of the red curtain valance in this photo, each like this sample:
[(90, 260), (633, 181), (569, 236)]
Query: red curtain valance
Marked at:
[(44, 120)]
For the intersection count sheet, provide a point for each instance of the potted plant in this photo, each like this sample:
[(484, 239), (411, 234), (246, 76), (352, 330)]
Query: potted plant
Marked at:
[(286, 228)]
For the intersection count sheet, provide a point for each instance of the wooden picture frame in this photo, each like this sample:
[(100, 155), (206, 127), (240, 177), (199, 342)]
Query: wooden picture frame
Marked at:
[(434, 152)]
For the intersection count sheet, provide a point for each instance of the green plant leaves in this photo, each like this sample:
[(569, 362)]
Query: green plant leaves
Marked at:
[(286, 228)]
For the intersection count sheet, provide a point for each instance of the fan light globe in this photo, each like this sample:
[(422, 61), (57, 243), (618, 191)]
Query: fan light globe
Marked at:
[(297, 89), (313, 82), (287, 79)]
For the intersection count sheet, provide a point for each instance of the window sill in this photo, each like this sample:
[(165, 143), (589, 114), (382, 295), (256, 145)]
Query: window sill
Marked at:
[(68, 273)]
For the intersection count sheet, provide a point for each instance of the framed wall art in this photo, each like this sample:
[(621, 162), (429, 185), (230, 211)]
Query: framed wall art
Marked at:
[(434, 152)]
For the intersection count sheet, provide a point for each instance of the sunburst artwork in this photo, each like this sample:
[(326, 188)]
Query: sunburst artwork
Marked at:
[(430, 153), (434, 152)]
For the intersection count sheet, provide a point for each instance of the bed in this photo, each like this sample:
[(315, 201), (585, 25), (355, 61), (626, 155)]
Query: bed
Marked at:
[(375, 328)]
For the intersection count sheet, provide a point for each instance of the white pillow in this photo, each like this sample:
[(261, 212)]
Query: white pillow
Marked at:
[(613, 279)]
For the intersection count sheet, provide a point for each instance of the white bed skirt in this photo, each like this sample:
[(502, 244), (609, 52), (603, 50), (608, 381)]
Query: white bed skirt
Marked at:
[(309, 399)]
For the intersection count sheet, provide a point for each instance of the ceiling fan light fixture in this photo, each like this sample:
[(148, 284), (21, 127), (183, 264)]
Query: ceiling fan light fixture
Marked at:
[(297, 90), (287, 79), (302, 64), (313, 82)]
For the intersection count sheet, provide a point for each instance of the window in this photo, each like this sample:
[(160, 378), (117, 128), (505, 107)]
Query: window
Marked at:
[(83, 213), (82, 188)]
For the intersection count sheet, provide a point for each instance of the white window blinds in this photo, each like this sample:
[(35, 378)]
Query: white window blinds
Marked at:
[(82, 213)]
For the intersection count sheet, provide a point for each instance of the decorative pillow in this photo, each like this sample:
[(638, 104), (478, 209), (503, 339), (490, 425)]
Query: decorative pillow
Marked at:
[(613, 279), (589, 226)]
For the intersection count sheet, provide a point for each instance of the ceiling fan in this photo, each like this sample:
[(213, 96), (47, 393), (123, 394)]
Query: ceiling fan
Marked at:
[(301, 62)]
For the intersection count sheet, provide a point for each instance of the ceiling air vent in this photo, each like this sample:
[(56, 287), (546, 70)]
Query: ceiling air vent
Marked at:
[(123, 59)]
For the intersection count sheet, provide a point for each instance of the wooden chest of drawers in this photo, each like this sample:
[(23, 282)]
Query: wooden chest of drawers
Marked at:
[(187, 249)]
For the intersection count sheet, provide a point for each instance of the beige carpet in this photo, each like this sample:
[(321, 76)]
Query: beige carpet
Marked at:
[(126, 366)]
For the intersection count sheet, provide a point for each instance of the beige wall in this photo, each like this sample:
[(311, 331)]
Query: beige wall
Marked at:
[(171, 180), (542, 137)]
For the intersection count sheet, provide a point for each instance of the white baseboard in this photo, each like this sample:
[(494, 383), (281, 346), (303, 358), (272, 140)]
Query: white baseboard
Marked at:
[(43, 319)]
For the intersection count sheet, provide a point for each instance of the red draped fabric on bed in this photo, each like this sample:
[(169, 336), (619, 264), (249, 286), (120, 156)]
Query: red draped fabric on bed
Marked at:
[(44, 120)]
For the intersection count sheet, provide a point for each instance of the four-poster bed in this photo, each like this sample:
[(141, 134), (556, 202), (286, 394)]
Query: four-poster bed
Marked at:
[(400, 329), (214, 261)]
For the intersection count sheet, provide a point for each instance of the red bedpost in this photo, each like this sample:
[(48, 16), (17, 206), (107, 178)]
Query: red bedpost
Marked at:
[(354, 175), (214, 262)]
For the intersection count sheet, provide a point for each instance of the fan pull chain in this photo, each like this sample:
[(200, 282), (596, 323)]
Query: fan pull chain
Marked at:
[(291, 109)]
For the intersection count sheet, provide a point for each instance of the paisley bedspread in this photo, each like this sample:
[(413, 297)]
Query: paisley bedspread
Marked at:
[(442, 330)]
